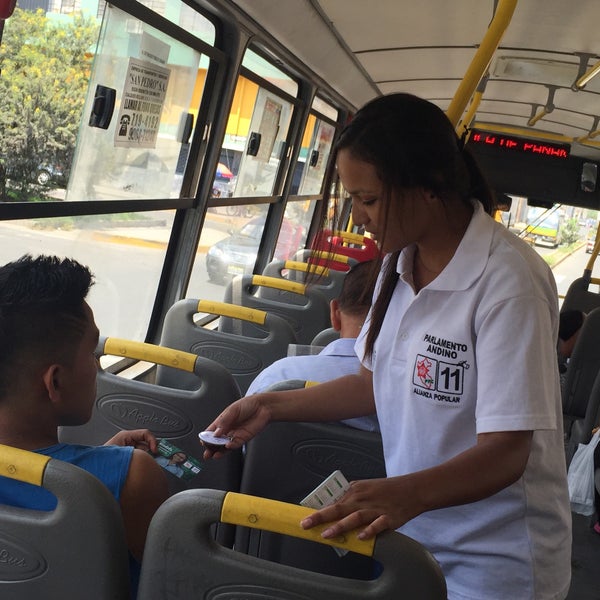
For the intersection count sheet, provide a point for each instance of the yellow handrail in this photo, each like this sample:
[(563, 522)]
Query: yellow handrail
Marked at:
[(282, 517), (481, 60)]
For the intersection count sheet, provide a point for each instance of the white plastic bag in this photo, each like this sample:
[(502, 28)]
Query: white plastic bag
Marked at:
[(581, 478)]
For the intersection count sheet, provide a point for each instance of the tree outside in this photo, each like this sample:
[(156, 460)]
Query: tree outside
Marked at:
[(570, 232), (45, 68)]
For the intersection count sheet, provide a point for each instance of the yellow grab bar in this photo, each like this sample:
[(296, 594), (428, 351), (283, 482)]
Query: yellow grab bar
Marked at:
[(282, 517), (279, 283), (330, 256), (22, 465), (297, 265), (234, 311), (160, 355), (350, 237)]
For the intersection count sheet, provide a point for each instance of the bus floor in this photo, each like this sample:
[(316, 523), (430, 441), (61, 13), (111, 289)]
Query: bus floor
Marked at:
[(585, 561)]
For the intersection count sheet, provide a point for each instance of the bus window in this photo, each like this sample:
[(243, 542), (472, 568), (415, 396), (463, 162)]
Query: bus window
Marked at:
[(256, 131), (314, 157), (543, 226), (298, 214), (133, 150), (228, 247), (125, 255), (264, 145)]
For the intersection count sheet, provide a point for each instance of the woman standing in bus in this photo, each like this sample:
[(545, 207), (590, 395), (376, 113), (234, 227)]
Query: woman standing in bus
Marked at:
[(459, 360)]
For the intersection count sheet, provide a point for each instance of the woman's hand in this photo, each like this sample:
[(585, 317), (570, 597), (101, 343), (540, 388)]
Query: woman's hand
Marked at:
[(371, 505), (138, 438), (499, 459), (240, 421)]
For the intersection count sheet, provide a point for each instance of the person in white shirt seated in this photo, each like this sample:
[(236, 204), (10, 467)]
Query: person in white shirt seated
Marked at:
[(347, 313)]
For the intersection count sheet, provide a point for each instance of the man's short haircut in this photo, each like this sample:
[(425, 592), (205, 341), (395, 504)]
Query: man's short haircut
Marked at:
[(570, 322), (42, 317), (357, 290)]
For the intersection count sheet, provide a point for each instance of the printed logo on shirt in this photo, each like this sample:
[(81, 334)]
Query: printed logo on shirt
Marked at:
[(440, 380)]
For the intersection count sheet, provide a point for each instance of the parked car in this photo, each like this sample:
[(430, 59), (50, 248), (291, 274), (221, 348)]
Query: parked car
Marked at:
[(589, 245), (224, 182), (236, 254), (47, 174)]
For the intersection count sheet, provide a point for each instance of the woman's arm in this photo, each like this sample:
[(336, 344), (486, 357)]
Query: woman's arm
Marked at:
[(342, 398), (495, 462)]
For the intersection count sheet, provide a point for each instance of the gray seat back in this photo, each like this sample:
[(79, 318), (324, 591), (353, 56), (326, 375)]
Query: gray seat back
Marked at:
[(325, 337), (580, 297), (76, 551), (243, 356), (176, 415), (328, 281), (306, 319), (182, 562), (299, 457), (581, 426), (580, 383)]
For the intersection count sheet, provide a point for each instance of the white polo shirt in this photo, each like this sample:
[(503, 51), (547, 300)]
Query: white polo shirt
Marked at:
[(473, 352)]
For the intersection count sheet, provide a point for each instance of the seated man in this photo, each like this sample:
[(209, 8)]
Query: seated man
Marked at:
[(48, 379), (568, 329), (570, 323), (347, 313)]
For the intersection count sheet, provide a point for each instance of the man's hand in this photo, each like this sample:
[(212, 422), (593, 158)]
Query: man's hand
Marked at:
[(138, 438)]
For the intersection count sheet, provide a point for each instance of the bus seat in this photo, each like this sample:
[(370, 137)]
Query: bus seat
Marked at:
[(306, 319), (181, 561), (174, 414), (243, 356), (286, 461), (76, 551), (325, 337), (580, 382), (581, 426), (331, 260), (327, 281), (354, 245), (580, 297)]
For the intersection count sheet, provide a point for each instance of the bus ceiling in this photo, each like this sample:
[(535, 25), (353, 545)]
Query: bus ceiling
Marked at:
[(491, 64)]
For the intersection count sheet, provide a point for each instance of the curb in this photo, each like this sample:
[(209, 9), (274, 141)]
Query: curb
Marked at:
[(565, 256), (139, 242)]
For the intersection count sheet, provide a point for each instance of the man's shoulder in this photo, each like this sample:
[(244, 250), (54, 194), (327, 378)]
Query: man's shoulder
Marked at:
[(78, 452)]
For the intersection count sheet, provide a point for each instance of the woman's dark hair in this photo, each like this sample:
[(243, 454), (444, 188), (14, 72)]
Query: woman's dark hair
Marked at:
[(412, 144)]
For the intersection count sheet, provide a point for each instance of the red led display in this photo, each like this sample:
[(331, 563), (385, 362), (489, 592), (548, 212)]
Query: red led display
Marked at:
[(514, 144)]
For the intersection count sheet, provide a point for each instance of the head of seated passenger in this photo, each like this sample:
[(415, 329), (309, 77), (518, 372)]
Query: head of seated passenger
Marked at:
[(349, 310)]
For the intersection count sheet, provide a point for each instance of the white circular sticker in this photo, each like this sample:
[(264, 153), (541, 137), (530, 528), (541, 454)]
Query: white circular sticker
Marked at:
[(208, 437)]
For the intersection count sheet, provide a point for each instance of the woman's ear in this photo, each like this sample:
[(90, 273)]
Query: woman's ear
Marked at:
[(52, 382)]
